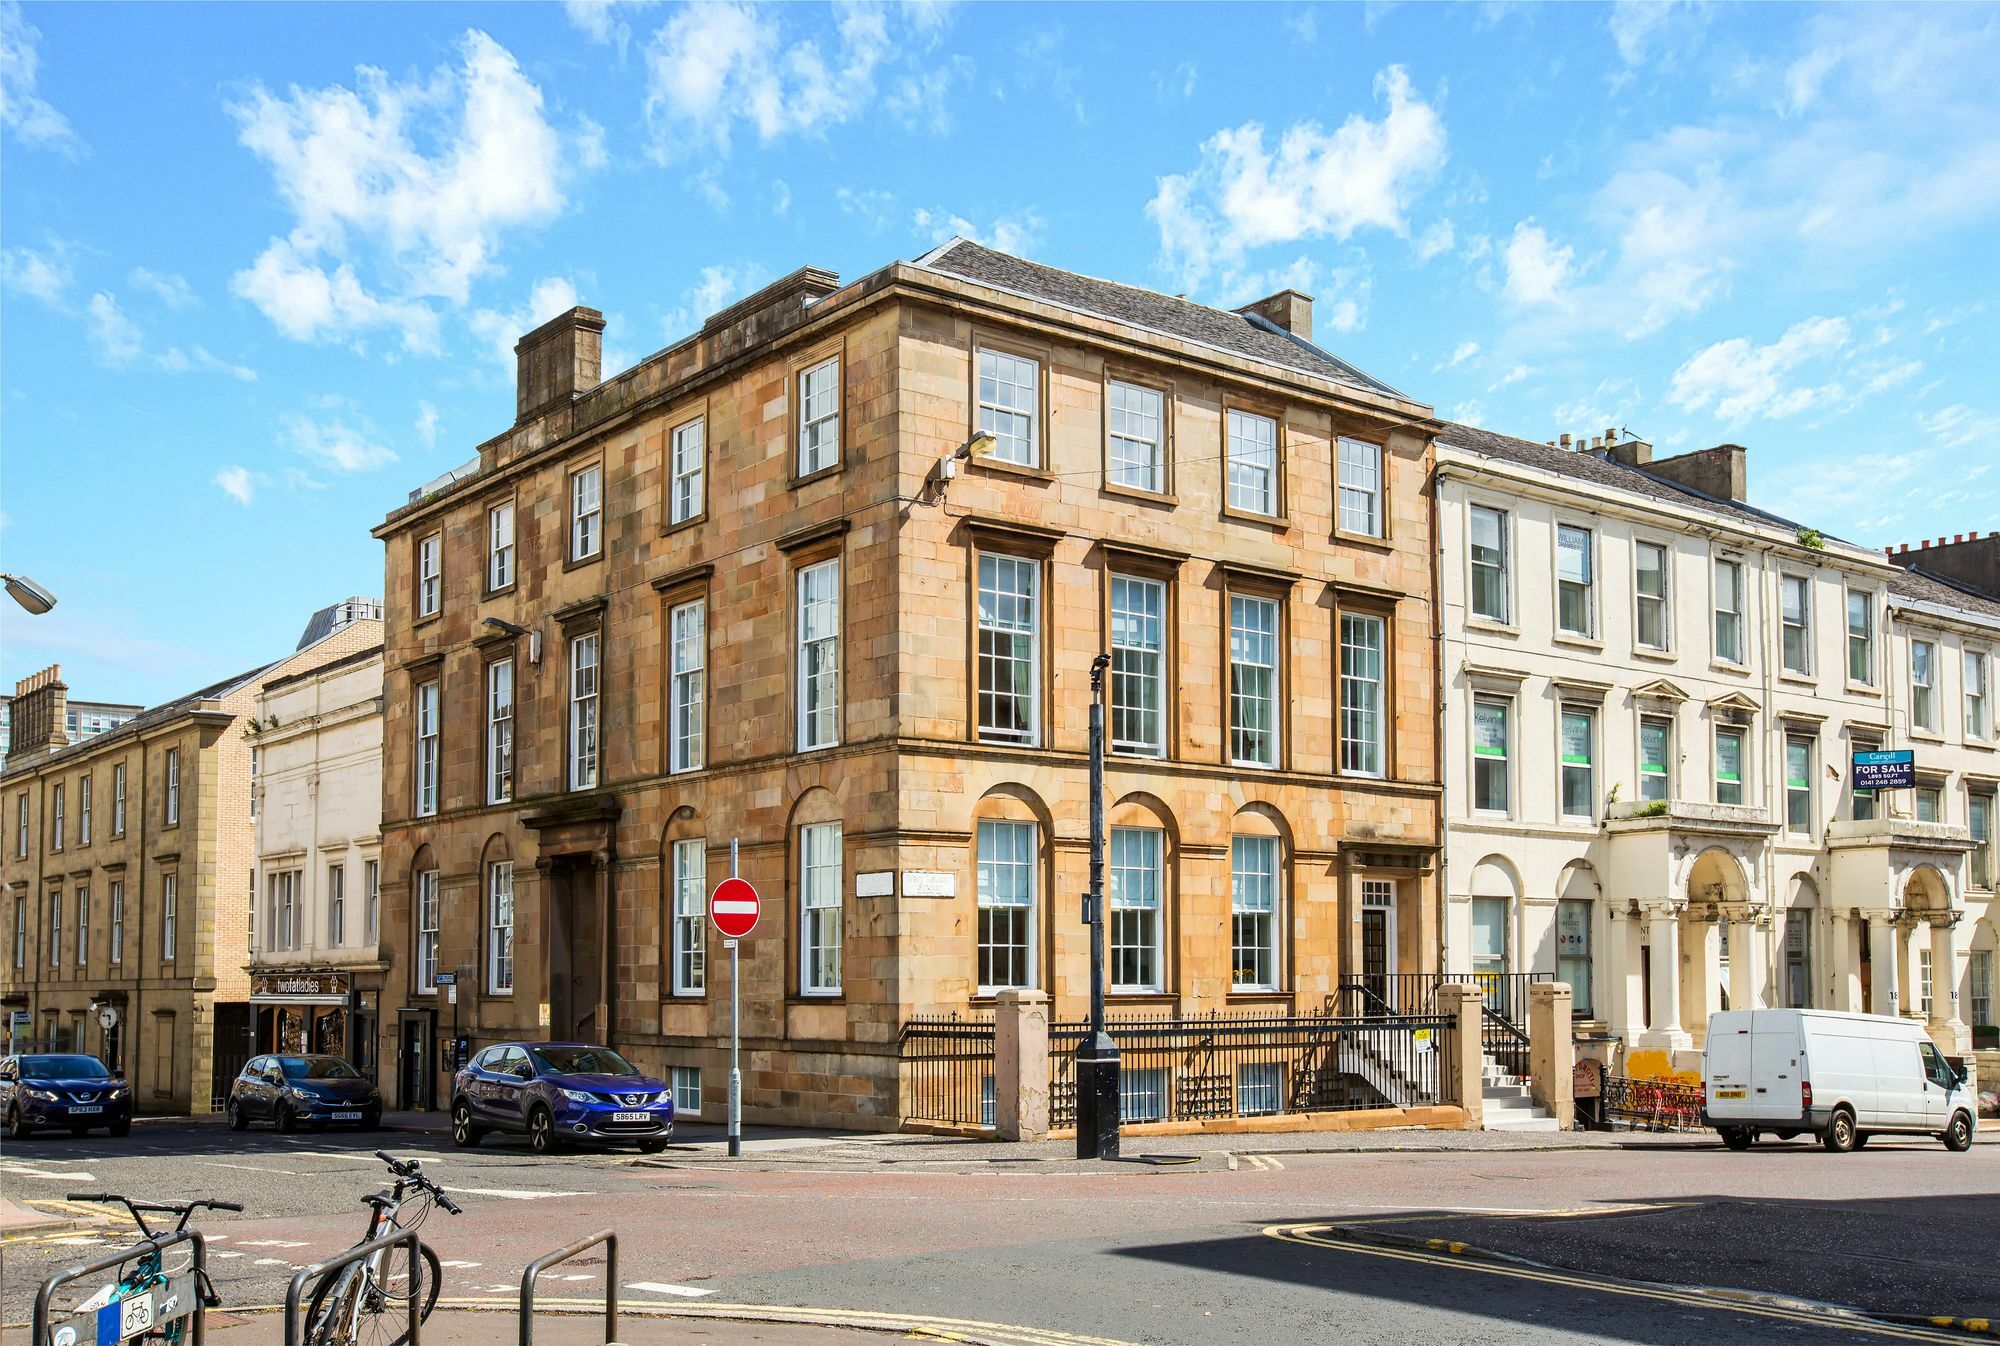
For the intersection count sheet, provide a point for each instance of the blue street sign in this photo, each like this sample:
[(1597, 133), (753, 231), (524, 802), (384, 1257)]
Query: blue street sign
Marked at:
[(1885, 770)]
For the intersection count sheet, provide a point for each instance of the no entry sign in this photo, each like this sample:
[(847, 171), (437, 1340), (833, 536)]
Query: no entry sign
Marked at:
[(733, 907)]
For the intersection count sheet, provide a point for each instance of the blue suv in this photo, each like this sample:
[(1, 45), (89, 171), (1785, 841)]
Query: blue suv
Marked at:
[(556, 1092), (68, 1092)]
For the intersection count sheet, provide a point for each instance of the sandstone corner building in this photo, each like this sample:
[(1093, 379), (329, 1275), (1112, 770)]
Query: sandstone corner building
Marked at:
[(769, 586)]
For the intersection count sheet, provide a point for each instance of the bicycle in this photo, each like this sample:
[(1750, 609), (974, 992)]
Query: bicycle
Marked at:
[(367, 1303), (148, 1270)]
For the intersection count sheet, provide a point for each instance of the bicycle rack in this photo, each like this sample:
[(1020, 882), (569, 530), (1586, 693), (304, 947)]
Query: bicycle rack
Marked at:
[(180, 1297), (609, 1239), (296, 1290)]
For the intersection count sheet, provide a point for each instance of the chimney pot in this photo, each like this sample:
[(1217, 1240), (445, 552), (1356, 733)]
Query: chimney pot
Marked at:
[(1565, 441)]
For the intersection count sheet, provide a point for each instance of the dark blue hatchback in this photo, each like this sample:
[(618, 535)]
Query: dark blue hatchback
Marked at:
[(558, 1092), (66, 1092)]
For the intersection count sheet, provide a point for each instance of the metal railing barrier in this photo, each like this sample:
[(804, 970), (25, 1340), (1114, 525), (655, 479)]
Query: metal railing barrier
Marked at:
[(947, 1066), (179, 1298), (1652, 1105), (307, 1275), (609, 1238)]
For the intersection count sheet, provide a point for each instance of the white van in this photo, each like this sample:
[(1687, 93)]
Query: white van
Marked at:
[(1843, 1077)]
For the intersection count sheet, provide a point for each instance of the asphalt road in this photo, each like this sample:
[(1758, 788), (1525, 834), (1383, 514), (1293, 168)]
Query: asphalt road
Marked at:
[(1253, 1247)]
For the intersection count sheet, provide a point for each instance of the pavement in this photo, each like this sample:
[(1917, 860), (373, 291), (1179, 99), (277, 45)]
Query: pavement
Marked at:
[(483, 1327), (1251, 1241)]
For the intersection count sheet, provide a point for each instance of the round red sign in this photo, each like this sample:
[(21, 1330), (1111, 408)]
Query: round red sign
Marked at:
[(733, 907)]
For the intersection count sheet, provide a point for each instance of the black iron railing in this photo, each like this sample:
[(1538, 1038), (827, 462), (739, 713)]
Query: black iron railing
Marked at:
[(609, 1240), (1263, 1065), (1504, 1024), (1652, 1105), (948, 1070)]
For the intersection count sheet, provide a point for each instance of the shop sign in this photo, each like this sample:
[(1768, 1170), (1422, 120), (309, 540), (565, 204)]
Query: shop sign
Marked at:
[(297, 985), (1587, 1080)]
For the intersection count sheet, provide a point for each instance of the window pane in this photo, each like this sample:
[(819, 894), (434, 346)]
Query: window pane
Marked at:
[(1134, 883), (1253, 863), (1138, 455), (1489, 564), (1650, 580), (1253, 681), (819, 417), (1138, 653), (1728, 766), (686, 669), (1361, 674), (687, 486), (583, 653), (1253, 463), (1007, 405), (1489, 756), (1579, 797), (1655, 761), (690, 913), (1008, 649), (820, 889), (1007, 873), (819, 655), (1361, 487)]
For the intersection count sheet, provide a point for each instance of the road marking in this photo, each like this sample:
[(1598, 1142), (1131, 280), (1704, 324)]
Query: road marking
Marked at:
[(270, 1243), (1002, 1334), (656, 1288), (582, 1276), (1263, 1163), (252, 1168), (270, 1262), (219, 1253), (1321, 1236), (512, 1193), (30, 1171), (461, 1265)]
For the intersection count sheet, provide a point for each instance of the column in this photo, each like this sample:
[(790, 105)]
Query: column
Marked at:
[(1552, 1051), (1021, 1065), (1843, 952), (1885, 947), (1619, 989), (1745, 962), (1466, 1003), (1947, 1030), (607, 954), (1663, 923)]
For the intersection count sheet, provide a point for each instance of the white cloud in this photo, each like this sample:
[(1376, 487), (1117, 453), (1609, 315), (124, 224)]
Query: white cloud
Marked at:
[(923, 99), (427, 424), (238, 483), (1511, 377), (1471, 413), (177, 361), (1957, 426), (1015, 234), (1539, 271), (714, 66), (415, 182), (336, 445), (1312, 184), (499, 330), (717, 289), (169, 289), (1464, 351), (115, 336), (1742, 380), (22, 111), (1638, 27), (871, 206), (1438, 238), (40, 275), (603, 20)]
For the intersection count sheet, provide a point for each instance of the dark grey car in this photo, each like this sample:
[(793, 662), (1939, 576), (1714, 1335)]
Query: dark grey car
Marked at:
[(303, 1090)]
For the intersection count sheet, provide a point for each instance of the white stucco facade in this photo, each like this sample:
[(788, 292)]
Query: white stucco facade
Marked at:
[(1647, 765), (316, 961)]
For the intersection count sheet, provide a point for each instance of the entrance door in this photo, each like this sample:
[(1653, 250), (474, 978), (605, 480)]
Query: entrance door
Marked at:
[(1867, 966), (573, 956), (1378, 943), (413, 1062)]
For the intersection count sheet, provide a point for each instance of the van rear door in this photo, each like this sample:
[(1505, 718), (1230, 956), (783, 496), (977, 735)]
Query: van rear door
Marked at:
[(1728, 1089), (1777, 1059)]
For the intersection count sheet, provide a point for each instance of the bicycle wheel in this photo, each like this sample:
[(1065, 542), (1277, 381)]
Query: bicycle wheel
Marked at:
[(383, 1316)]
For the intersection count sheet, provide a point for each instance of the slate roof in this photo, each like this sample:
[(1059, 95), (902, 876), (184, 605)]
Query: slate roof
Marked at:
[(159, 714), (1919, 584), (1253, 337)]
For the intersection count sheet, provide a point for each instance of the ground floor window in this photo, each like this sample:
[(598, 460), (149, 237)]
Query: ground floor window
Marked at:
[(1798, 960), (1007, 867), (1142, 1095), (1489, 936), (1926, 980), (1136, 880), (1979, 973), (1573, 952), (1260, 1088), (1253, 901), (687, 1091)]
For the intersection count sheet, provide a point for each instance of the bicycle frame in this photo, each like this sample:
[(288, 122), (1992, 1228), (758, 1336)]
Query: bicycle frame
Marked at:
[(354, 1284), (368, 1252), (150, 1252)]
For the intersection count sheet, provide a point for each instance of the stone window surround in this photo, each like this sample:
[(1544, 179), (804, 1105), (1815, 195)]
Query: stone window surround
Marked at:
[(797, 364), (1510, 621), (1042, 354), (1134, 561), (804, 549), (508, 498), (1376, 439), (1020, 542), (696, 410), (1593, 633), (571, 470), (1168, 390), (418, 615), (1233, 400), (684, 824), (1271, 586), (1382, 607), (1503, 685), (1005, 806), (1131, 813), (1665, 649)]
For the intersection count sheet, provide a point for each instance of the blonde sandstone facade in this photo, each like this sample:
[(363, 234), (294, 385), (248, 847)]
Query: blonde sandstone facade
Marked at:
[(138, 899), (732, 595), (1652, 699), (315, 967)]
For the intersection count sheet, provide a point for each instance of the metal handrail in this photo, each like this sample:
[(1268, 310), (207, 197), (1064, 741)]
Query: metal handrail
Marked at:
[(296, 1290), (39, 1333), (609, 1238)]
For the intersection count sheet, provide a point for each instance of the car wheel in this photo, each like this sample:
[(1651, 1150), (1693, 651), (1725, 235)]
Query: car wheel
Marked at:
[(1738, 1137), (652, 1146), (541, 1131), (1840, 1134), (17, 1125), (1861, 1139), (1958, 1136), (287, 1119), (123, 1128), (463, 1133), (237, 1121)]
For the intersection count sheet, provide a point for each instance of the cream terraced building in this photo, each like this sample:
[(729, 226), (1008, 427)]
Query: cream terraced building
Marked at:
[(1651, 695)]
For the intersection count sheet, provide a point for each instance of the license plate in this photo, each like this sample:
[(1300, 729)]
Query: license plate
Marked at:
[(631, 1116), (346, 1116), (1732, 1093), (86, 1107)]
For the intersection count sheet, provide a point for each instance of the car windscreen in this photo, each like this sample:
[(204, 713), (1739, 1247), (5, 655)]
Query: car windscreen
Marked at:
[(315, 1068), (582, 1061), (62, 1068)]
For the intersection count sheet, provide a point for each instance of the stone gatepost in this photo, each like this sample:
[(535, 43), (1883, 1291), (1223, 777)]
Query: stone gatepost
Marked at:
[(1021, 1065), (1552, 1051), (1467, 1004)]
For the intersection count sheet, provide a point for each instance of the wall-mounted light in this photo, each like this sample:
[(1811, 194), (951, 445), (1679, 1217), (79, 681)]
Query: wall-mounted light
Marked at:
[(534, 637), (981, 445)]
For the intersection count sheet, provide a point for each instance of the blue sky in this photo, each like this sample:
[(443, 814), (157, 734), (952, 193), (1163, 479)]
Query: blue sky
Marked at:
[(263, 265)]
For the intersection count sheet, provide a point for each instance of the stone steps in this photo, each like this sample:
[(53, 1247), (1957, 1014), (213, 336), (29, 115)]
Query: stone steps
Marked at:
[(1507, 1104)]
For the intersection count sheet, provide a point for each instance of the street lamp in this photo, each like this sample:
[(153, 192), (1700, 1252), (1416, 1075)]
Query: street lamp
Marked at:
[(1097, 1098), (29, 594)]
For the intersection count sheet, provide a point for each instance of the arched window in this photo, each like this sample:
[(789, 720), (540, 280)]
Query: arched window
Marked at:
[(1009, 898), (1256, 901)]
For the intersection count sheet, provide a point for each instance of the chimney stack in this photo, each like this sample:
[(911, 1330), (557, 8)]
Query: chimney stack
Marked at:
[(39, 713), (558, 360), (1289, 309), (1971, 559)]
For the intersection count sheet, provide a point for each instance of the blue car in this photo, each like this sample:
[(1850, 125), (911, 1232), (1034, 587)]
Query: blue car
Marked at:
[(558, 1092), (63, 1092)]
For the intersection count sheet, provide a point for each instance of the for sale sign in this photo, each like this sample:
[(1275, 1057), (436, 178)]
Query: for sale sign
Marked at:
[(1885, 770)]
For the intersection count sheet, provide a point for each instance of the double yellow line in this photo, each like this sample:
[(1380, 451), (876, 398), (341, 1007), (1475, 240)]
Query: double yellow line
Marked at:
[(1450, 1253), (917, 1324)]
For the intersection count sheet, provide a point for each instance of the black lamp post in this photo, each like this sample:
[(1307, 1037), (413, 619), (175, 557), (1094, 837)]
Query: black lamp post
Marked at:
[(1097, 1102)]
